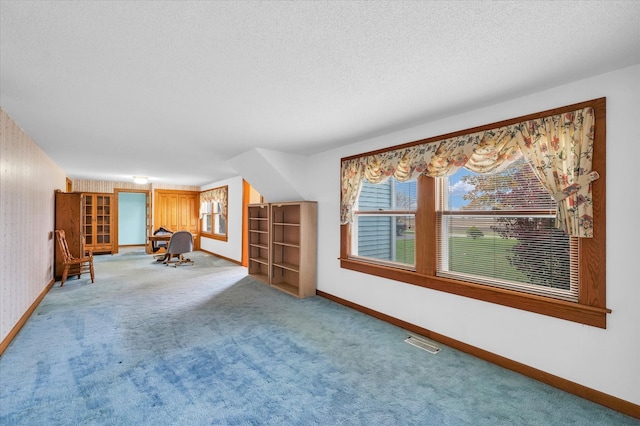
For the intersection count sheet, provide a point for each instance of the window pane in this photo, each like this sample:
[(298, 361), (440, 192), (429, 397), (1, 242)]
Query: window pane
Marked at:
[(221, 225), (390, 236), (385, 238), (388, 195), (511, 248), (516, 188), (517, 249)]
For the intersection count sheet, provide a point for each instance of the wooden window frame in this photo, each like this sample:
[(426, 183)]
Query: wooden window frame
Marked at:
[(590, 309), (212, 235)]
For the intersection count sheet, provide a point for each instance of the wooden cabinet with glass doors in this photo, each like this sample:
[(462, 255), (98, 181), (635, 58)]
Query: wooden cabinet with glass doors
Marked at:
[(97, 220), (86, 218)]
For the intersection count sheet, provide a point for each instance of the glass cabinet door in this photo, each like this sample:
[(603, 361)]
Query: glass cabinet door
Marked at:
[(103, 219), (96, 221), (87, 219)]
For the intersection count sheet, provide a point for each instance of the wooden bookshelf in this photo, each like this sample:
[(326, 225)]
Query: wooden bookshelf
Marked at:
[(293, 247), (282, 246), (259, 257)]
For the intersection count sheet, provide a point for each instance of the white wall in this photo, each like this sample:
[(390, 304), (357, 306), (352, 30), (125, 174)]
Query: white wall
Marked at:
[(28, 179), (276, 175), (606, 360), (232, 248)]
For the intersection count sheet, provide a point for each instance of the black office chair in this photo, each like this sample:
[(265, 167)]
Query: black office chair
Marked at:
[(181, 242)]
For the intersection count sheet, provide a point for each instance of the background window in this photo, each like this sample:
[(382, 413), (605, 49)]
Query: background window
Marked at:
[(212, 220), (219, 223)]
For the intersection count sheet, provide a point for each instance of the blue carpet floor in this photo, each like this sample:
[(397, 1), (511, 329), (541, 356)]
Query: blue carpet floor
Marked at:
[(205, 344)]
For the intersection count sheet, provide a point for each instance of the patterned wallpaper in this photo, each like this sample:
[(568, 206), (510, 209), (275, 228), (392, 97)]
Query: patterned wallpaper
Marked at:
[(84, 185), (28, 179)]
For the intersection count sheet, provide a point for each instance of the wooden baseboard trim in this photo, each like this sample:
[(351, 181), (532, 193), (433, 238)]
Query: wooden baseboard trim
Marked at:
[(222, 257), (23, 320), (593, 395)]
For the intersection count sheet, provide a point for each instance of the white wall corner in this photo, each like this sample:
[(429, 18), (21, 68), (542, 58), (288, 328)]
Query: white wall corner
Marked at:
[(278, 176)]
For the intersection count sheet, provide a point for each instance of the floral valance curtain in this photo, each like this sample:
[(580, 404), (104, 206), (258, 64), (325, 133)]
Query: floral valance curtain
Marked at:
[(217, 194), (558, 147)]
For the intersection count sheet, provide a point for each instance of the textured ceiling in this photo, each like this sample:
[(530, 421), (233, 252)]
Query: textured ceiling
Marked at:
[(171, 90)]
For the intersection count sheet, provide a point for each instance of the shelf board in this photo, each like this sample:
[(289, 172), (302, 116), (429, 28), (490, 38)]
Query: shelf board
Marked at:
[(257, 231), (259, 260), (282, 243), (286, 224), (287, 288), (289, 266), (262, 277), (258, 218), (260, 246)]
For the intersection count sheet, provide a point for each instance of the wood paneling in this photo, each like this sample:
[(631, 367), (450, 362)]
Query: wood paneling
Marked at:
[(177, 211)]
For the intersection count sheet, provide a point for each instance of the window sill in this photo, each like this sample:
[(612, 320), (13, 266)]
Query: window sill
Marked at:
[(390, 264), (583, 314), (214, 236)]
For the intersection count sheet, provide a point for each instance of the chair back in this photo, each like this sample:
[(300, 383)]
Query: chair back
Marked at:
[(180, 242), (64, 247)]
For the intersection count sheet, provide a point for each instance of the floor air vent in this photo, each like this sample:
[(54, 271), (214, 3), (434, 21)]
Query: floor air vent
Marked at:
[(423, 344)]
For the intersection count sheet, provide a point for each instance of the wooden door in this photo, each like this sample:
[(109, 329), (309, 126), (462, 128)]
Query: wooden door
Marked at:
[(177, 211)]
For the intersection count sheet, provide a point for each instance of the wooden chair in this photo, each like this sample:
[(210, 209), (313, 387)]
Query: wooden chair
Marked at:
[(80, 265)]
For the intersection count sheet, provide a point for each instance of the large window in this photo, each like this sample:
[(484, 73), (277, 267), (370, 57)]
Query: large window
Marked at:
[(483, 220)]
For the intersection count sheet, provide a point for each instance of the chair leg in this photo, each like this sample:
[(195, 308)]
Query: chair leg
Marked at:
[(91, 271), (64, 275)]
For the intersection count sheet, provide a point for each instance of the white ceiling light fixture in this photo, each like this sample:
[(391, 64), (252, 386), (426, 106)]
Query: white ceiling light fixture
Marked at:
[(140, 179)]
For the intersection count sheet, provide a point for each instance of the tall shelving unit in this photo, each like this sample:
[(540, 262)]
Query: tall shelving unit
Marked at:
[(293, 247), (96, 217), (259, 241), (282, 246)]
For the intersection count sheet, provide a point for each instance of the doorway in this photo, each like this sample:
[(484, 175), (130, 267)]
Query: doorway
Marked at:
[(133, 217)]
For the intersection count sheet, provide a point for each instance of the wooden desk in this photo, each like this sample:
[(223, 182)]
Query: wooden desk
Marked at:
[(157, 238), (163, 237)]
